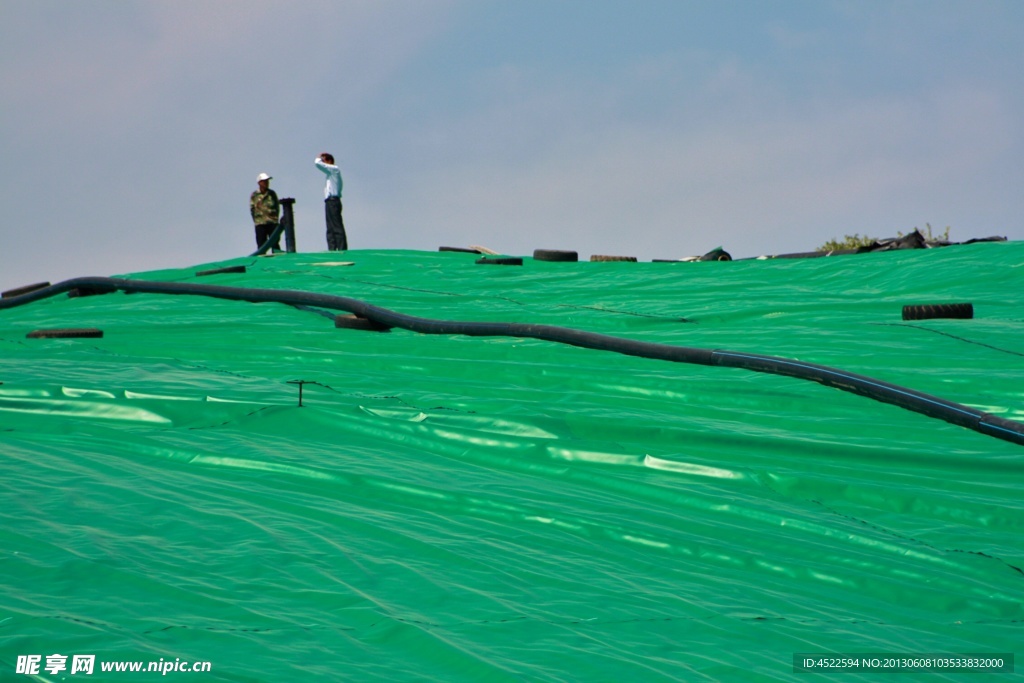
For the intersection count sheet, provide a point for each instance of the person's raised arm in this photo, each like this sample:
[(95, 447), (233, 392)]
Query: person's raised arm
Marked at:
[(323, 165)]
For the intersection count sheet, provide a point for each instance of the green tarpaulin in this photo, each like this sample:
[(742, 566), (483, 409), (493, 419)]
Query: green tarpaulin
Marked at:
[(455, 508)]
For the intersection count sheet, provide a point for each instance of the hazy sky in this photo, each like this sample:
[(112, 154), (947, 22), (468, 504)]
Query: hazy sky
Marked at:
[(131, 133)]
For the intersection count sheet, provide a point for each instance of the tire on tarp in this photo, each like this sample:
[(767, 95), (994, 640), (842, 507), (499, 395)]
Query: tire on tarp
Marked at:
[(218, 271), (463, 250), (354, 322), (90, 291), (930, 311), (66, 333), (718, 254), (563, 256), (507, 261)]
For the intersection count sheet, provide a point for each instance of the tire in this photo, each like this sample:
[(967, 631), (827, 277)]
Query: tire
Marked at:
[(350, 321), (218, 271), (555, 255), (18, 291), (509, 261), (929, 311), (716, 255), (459, 249), (66, 333), (601, 257), (90, 291)]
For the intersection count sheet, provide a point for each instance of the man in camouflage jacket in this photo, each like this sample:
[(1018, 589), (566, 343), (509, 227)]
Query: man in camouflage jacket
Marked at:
[(265, 209)]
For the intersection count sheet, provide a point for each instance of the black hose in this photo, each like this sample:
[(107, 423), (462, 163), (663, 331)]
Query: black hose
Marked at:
[(878, 390), (271, 241)]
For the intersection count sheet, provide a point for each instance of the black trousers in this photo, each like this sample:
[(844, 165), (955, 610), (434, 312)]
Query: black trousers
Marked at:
[(263, 233), (336, 239)]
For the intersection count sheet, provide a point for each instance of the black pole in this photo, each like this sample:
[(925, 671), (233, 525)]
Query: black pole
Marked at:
[(301, 383), (288, 221)]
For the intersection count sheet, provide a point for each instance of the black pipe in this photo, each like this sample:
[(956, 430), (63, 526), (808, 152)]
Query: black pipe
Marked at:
[(288, 221), (878, 390)]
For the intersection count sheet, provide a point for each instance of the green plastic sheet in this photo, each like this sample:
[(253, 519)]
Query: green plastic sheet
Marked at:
[(450, 508)]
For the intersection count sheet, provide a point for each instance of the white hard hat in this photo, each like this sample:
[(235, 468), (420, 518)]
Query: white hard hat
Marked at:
[(262, 176)]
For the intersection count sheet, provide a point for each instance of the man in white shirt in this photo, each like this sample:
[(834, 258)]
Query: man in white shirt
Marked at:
[(336, 239)]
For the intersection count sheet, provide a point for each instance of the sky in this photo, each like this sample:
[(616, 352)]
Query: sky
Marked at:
[(132, 132)]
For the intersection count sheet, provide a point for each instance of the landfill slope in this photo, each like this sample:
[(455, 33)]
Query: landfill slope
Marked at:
[(454, 508)]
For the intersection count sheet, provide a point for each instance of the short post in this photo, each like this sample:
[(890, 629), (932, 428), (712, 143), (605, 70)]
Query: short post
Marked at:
[(301, 383), (288, 221)]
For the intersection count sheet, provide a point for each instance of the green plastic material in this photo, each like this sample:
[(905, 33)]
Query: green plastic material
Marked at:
[(495, 509)]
